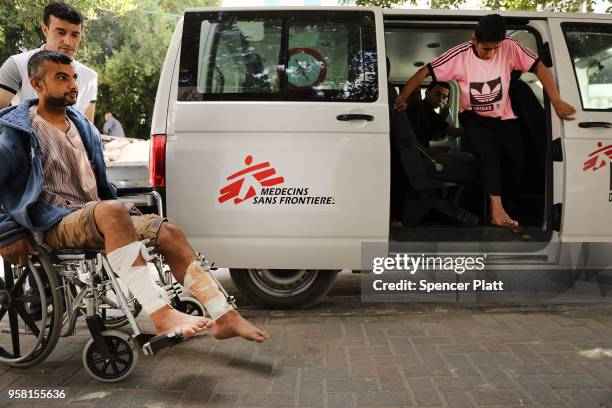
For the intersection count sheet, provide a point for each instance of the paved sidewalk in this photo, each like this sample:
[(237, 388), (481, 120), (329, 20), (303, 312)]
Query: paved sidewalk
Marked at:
[(405, 356)]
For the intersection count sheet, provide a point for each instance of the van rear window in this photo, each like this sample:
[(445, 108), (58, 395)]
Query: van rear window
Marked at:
[(274, 55)]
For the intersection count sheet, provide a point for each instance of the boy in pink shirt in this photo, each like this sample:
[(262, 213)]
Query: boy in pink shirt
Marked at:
[(482, 68)]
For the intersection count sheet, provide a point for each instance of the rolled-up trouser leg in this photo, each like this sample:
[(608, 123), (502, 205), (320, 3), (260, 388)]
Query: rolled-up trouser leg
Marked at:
[(204, 287), (139, 279)]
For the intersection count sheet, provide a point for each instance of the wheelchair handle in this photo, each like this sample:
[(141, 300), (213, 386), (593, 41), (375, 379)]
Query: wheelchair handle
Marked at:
[(146, 191)]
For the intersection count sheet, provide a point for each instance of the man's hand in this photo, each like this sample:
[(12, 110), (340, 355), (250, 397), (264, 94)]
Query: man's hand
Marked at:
[(564, 110), (399, 104), (445, 111), (17, 252)]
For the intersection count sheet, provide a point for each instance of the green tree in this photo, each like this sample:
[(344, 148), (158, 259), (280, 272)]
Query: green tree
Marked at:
[(125, 41), (129, 52), (20, 21), (551, 5)]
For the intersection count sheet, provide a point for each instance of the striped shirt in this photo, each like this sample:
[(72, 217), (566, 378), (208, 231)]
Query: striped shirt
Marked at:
[(484, 83), (69, 180)]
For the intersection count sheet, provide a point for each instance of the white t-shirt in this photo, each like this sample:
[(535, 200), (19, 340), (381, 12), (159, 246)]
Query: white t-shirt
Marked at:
[(14, 78)]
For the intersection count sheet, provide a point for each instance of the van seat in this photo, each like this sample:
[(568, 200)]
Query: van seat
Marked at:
[(428, 175)]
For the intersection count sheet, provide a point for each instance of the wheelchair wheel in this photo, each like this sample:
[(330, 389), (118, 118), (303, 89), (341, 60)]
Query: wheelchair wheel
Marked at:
[(36, 339), (192, 306), (122, 360)]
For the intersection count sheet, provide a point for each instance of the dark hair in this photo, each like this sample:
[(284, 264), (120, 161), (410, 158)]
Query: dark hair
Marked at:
[(433, 84), (40, 57), (490, 28), (62, 11)]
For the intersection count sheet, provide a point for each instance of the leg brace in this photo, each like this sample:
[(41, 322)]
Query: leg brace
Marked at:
[(206, 289), (139, 279)]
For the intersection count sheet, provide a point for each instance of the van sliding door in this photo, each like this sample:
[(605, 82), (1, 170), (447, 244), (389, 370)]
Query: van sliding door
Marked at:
[(281, 154), (584, 62)]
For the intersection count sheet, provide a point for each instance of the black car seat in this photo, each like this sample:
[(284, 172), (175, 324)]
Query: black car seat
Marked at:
[(428, 176)]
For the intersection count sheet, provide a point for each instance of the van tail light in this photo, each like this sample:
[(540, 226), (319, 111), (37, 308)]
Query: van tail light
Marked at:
[(157, 161)]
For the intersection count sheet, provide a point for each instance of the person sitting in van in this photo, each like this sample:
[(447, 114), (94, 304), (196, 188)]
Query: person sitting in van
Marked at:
[(426, 122), (482, 67), (53, 186)]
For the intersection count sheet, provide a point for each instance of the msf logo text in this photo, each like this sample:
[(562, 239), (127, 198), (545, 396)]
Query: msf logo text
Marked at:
[(599, 159), (243, 183)]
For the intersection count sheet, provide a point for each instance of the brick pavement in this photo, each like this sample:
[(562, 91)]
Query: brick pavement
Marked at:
[(406, 356)]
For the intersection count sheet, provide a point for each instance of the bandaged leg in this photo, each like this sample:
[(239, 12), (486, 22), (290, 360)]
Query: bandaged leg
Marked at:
[(204, 287), (138, 279)]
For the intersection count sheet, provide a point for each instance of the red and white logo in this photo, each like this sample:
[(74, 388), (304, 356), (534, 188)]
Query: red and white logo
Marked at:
[(247, 180), (598, 158)]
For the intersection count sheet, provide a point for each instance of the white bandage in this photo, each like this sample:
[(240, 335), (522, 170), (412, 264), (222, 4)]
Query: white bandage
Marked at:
[(205, 289), (139, 279)]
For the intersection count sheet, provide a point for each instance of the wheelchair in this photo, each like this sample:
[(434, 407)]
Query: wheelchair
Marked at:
[(72, 283)]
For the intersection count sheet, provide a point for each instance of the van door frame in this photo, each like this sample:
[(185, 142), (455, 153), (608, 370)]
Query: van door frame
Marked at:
[(573, 215), (549, 255)]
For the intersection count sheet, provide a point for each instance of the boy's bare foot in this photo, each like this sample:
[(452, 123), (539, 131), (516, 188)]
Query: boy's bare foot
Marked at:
[(231, 324), (168, 319), (500, 218)]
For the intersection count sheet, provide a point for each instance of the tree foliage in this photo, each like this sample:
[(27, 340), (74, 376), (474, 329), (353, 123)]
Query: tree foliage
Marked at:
[(125, 41), (550, 5), (129, 52), (20, 20)]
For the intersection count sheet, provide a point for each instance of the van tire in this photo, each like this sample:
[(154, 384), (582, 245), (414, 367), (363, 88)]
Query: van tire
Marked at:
[(283, 288)]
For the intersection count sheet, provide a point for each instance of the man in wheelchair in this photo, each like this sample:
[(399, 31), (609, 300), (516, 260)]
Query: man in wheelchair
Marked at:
[(53, 186)]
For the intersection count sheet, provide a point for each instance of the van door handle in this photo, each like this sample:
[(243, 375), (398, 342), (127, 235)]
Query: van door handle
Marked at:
[(355, 116), (595, 124)]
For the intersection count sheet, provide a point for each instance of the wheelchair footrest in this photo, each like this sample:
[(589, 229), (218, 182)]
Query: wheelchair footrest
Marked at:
[(157, 343)]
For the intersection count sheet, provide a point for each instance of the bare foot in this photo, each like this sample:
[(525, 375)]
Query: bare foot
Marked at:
[(168, 319), (232, 324), (500, 218)]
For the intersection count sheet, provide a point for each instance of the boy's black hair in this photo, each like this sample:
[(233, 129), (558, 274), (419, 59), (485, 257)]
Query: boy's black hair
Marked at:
[(491, 28), (433, 84), (40, 57), (62, 11)]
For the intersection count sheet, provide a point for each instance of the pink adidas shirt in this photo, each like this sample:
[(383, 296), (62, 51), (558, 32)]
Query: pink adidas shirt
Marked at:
[(484, 83)]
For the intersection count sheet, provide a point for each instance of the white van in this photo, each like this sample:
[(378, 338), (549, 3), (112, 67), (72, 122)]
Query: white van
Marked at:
[(271, 142)]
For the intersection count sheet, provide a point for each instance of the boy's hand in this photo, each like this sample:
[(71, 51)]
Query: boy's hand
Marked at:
[(399, 104), (564, 110), (17, 252)]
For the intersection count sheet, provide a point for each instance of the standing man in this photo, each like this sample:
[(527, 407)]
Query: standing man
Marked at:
[(61, 27), (112, 126), (482, 67)]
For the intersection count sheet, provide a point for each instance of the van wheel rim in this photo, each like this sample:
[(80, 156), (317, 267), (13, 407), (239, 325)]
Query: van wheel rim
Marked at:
[(283, 282)]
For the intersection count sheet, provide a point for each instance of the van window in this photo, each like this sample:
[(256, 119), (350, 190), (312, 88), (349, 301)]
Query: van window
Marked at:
[(245, 58), (590, 48), (332, 58), (306, 56)]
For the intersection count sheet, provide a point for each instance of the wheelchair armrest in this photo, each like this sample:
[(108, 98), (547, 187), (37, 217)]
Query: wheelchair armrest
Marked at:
[(132, 191), (143, 191)]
